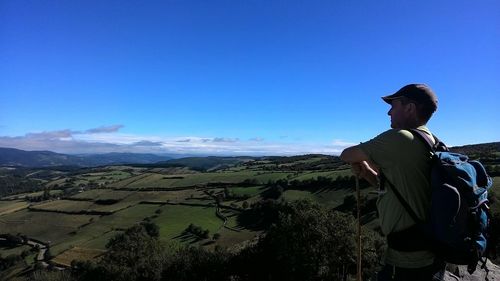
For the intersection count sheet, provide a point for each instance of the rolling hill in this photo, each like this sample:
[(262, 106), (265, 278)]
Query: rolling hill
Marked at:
[(17, 157)]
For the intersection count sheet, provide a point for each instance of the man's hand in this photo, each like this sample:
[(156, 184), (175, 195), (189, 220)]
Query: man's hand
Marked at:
[(364, 170)]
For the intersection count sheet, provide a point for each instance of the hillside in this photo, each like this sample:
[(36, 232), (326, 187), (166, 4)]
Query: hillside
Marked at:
[(483, 148), (17, 157), (202, 163), (211, 203)]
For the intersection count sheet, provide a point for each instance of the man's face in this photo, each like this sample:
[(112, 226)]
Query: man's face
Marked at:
[(399, 114)]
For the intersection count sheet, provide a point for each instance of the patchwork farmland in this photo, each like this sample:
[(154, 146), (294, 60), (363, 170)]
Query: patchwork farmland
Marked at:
[(74, 214)]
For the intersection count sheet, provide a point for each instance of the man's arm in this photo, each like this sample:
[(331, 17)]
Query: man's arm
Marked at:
[(353, 154), (359, 163)]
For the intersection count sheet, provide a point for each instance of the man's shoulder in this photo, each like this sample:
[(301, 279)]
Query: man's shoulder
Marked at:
[(395, 135), (402, 134)]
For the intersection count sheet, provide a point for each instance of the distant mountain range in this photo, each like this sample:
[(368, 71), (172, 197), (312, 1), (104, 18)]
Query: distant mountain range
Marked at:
[(17, 157)]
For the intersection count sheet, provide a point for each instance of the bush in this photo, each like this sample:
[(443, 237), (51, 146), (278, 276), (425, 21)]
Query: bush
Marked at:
[(197, 231), (308, 242)]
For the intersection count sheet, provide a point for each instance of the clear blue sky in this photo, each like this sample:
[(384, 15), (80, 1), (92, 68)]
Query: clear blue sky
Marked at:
[(240, 76)]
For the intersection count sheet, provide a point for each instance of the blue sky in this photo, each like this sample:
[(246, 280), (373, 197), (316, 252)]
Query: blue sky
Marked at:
[(240, 76)]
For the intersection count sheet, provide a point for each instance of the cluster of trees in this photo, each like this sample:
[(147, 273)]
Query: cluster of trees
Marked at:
[(197, 231), (300, 163), (11, 260), (306, 242), (44, 196), (484, 149), (15, 183), (261, 214), (11, 241), (229, 195), (317, 184), (368, 204), (309, 242)]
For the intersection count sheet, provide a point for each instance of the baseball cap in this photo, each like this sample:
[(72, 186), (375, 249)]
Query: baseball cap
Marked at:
[(419, 93)]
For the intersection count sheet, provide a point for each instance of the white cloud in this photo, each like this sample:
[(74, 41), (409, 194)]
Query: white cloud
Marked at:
[(225, 140), (51, 135), (104, 140), (147, 143), (341, 143), (104, 129)]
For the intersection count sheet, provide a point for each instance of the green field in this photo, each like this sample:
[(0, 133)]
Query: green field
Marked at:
[(162, 181), (100, 241), (328, 174), (102, 194), (173, 219), (70, 206), (33, 194), (12, 206), (111, 175), (292, 195), (43, 226), (164, 196), (128, 181), (14, 251), (79, 253), (102, 228), (251, 190)]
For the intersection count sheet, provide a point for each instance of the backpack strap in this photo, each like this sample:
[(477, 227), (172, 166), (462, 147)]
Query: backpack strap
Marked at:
[(405, 204), (436, 145)]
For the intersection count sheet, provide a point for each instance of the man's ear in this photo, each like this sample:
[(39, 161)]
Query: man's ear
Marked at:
[(411, 108)]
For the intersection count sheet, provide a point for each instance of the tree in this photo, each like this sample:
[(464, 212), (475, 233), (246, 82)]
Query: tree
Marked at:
[(151, 228), (132, 255), (307, 242), (193, 263), (273, 192), (244, 204)]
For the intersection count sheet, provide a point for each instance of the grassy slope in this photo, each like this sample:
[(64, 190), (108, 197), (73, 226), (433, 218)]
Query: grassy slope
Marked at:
[(7, 207), (173, 219), (104, 225), (44, 226)]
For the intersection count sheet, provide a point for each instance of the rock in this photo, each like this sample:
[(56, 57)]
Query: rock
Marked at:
[(459, 273)]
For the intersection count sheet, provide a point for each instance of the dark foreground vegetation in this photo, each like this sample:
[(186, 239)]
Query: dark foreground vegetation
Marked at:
[(305, 242)]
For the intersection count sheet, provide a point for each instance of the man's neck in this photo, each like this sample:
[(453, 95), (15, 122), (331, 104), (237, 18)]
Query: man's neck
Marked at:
[(412, 125)]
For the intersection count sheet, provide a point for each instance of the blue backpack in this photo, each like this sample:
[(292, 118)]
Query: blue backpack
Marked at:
[(457, 227)]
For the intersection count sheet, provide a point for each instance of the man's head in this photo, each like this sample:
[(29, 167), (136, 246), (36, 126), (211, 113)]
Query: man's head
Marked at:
[(411, 106)]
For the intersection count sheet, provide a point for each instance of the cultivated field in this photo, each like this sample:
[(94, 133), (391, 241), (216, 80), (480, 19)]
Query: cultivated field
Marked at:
[(84, 210), (45, 226), (7, 207), (68, 256)]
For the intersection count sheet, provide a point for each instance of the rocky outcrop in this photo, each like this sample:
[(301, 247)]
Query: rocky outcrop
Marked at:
[(459, 273)]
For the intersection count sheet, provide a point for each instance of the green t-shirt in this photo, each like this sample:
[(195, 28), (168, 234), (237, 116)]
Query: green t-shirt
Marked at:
[(404, 160)]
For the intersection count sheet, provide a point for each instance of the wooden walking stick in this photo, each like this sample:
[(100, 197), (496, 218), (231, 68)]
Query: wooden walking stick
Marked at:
[(358, 195)]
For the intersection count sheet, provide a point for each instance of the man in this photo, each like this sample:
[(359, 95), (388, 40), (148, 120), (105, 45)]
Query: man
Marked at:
[(404, 160)]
